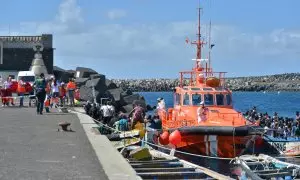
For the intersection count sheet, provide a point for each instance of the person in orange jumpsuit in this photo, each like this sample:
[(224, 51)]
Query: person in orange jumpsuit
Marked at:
[(71, 87)]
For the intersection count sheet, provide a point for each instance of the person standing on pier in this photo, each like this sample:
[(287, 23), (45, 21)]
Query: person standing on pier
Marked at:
[(40, 87), (71, 86), (108, 112), (8, 92), (21, 91), (55, 93)]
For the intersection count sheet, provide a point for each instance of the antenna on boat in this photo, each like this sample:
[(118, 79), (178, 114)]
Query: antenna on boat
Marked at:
[(199, 43), (209, 47)]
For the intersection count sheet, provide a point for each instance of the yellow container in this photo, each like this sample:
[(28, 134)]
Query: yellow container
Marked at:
[(141, 128)]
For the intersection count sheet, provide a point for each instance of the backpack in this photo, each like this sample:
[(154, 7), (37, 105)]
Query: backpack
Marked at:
[(123, 125)]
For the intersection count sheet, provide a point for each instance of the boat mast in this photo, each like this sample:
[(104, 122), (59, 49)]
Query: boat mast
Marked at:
[(209, 48), (199, 43)]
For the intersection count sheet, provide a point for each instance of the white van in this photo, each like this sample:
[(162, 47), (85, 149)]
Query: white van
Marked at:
[(26, 76)]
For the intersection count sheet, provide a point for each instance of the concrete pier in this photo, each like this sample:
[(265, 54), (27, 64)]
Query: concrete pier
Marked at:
[(33, 148)]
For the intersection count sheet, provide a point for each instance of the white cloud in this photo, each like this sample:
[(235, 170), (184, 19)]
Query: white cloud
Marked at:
[(116, 14), (69, 11), (108, 47)]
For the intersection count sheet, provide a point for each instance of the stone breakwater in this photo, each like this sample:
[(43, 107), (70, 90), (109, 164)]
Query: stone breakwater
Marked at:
[(96, 87), (278, 82)]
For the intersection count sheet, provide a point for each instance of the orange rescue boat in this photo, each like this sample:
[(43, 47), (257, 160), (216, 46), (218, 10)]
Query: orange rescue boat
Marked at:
[(203, 120)]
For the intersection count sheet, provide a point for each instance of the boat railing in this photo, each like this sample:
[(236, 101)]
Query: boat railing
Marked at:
[(238, 117), (192, 78), (171, 122)]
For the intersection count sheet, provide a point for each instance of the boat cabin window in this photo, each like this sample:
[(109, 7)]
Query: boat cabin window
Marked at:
[(186, 99), (208, 99), (177, 99), (228, 99), (185, 88), (220, 99), (220, 88), (207, 89), (195, 89), (196, 99)]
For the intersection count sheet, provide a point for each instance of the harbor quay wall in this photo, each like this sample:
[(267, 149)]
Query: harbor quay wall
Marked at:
[(278, 82)]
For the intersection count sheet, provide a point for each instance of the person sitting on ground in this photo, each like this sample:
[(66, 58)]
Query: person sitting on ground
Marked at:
[(202, 113)]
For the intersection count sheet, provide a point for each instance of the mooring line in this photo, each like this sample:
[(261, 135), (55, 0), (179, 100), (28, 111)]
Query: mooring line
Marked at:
[(181, 152)]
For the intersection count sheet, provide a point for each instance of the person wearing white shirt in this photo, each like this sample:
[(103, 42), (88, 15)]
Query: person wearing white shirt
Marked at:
[(108, 112), (202, 113), (161, 103), (55, 92)]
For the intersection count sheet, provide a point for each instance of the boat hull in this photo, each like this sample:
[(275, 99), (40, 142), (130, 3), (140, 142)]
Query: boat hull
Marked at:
[(209, 145), (288, 147), (215, 145)]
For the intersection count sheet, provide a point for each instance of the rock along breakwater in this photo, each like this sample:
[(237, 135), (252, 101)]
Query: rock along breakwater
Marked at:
[(278, 82)]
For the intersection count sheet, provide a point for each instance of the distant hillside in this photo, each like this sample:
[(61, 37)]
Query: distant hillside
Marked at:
[(278, 82)]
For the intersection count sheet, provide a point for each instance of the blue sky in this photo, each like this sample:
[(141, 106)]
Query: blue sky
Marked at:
[(146, 38)]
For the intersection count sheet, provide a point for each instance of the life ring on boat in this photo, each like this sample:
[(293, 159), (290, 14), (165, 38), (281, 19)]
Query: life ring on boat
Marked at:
[(213, 82)]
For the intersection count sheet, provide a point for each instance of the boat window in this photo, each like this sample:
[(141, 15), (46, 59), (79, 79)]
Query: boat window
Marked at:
[(208, 99), (207, 89), (185, 88), (220, 99), (228, 99), (196, 99), (195, 89), (177, 99), (220, 88), (186, 99)]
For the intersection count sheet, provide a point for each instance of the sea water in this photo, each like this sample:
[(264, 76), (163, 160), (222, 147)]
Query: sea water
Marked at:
[(284, 103)]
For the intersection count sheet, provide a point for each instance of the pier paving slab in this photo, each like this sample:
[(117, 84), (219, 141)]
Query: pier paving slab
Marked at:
[(31, 147), (114, 164)]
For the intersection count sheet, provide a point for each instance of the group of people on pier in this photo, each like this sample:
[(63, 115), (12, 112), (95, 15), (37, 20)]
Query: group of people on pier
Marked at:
[(275, 125), (46, 93), (135, 119)]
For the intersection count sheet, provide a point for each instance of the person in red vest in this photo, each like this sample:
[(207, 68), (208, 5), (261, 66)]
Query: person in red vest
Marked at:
[(21, 91), (62, 93), (8, 92), (71, 86)]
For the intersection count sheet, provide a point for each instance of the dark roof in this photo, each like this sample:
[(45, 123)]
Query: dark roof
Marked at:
[(56, 68), (84, 69), (21, 38)]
